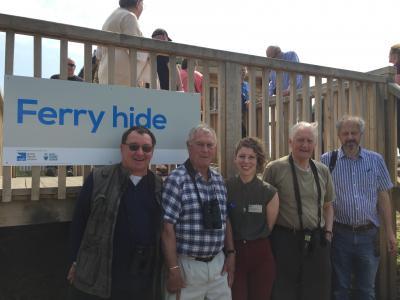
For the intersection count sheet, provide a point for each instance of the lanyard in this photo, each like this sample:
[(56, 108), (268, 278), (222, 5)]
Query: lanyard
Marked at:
[(297, 191)]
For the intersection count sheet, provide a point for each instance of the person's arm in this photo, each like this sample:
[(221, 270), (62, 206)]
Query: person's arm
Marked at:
[(174, 277), (385, 212), (78, 224), (397, 78), (272, 211), (229, 264), (328, 216)]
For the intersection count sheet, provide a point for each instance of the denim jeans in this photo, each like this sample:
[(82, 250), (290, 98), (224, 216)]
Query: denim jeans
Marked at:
[(354, 253)]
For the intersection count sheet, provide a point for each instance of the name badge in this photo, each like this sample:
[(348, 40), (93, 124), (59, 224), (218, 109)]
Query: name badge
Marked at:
[(255, 208)]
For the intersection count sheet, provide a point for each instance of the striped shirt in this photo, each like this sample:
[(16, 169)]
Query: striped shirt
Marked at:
[(181, 208), (357, 183)]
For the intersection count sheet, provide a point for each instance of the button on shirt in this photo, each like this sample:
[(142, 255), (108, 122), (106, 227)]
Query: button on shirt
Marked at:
[(357, 183), (182, 208)]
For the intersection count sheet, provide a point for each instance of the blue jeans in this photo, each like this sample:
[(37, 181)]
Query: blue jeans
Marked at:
[(354, 253)]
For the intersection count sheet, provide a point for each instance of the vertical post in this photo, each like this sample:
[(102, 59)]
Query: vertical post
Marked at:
[(8, 70), (190, 73), (306, 98), (153, 70), (329, 131), (206, 92), (318, 115), (292, 100), (133, 66), (265, 131), (233, 111), (221, 118), (37, 72), (62, 170), (253, 103), (111, 65), (279, 130)]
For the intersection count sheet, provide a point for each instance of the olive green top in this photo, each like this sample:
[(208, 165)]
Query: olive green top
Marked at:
[(247, 207), (279, 174)]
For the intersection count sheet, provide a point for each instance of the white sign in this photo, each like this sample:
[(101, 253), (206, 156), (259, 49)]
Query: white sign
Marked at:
[(59, 122)]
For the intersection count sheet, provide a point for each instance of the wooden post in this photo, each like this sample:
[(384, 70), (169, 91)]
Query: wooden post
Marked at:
[(233, 111), (133, 67), (37, 72), (222, 162), (206, 93), (279, 130), (8, 70), (318, 115), (265, 129), (153, 71), (253, 103), (306, 99)]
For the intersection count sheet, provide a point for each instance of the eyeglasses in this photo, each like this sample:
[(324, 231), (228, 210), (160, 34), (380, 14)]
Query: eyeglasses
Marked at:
[(71, 65), (146, 148)]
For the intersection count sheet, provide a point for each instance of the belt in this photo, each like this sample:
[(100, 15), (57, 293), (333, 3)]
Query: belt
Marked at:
[(293, 230), (204, 259), (355, 228)]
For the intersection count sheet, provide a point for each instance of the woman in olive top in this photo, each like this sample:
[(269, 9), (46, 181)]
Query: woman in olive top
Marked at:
[(253, 208)]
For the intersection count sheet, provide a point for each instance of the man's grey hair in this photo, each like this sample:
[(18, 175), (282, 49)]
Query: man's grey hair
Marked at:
[(201, 127), (304, 125), (354, 119)]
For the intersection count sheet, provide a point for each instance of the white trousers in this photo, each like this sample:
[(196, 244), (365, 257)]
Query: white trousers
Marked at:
[(203, 280)]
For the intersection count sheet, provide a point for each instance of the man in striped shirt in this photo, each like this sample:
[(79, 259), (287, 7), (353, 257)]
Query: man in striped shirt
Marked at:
[(362, 203)]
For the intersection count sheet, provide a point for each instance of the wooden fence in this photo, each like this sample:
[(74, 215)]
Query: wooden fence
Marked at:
[(326, 94)]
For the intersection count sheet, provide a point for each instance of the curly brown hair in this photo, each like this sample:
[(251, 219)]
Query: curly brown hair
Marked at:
[(257, 146)]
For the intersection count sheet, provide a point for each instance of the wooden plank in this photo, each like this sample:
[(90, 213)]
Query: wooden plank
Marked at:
[(37, 72), (372, 106), (342, 109), (153, 70), (206, 93), (306, 99), (87, 69), (233, 112), (8, 70), (133, 66), (62, 172), (221, 118), (273, 133), (111, 65), (279, 130), (318, 116), (363, 111), (329, 133), (265, 128), (352, 98), (335, 118), (190, 70), (253, 102), (172, 72), (292, 100)]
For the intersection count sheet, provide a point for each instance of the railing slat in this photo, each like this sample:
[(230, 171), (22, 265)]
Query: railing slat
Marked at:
[(265, 130), (318, 115), (305, 90), (206, 93), (279, 130), (8, 70), (133, 66), (292, 100), (190, 74), (153, 71), (253, 103), (111, 65), (221, 116)]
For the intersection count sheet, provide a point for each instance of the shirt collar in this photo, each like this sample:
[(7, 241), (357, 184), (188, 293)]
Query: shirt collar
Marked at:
[(341, 153)]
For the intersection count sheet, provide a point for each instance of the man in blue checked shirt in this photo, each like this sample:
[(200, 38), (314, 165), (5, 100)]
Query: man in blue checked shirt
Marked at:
[(362, 203), (276, 52), (196, 228)]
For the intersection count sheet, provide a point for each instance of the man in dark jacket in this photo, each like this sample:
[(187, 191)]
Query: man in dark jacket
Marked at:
[(115, 231)]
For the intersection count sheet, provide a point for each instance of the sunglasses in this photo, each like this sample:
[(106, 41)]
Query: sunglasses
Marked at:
[(135, 147), (71, 65)]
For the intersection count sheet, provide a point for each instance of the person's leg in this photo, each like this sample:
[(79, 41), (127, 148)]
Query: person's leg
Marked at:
[(366, 265), (342, 262), (217, 286), (285, 247), (316, 279), (262, 270), (239, 288)]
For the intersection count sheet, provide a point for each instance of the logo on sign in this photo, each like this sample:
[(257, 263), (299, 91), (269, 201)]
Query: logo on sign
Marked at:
[(46, 156), (21, 156)]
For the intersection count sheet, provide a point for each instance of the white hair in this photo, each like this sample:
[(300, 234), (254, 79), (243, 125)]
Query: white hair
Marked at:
[(304, 125)]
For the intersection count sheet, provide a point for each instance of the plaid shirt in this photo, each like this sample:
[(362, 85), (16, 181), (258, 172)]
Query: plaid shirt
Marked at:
[(182, 208)]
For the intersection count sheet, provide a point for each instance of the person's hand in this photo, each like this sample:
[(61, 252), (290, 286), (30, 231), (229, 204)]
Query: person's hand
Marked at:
[(71, 273), (328, 236), (229, 267), (175, 282), (286, 92), (391, 243)]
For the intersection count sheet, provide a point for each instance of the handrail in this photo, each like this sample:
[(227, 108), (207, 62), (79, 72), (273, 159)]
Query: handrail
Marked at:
[(80, 34)]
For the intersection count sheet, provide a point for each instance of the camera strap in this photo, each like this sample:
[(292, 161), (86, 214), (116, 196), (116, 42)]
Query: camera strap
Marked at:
[(192, 173), (297, 191)]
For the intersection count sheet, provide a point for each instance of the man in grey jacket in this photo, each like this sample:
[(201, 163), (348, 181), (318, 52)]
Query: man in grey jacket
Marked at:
[(115, 231)]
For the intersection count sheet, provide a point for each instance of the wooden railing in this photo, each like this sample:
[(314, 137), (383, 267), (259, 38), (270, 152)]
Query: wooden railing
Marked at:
[(326, 94)]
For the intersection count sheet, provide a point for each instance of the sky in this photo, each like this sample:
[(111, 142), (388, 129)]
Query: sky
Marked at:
[(347, 34)]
